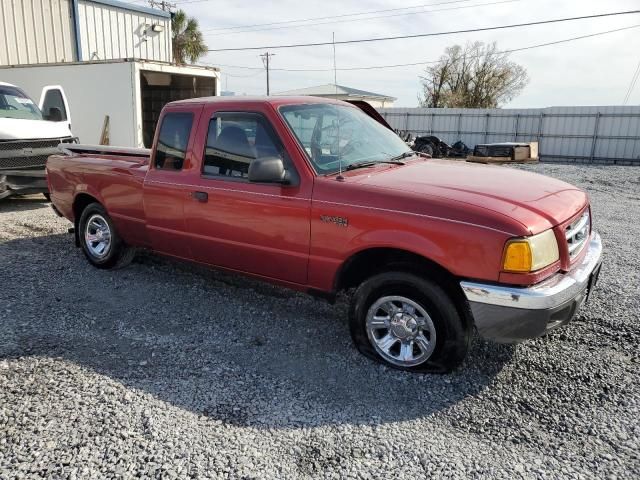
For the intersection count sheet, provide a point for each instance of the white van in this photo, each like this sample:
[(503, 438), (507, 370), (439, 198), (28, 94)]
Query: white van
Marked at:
[(29, 133)]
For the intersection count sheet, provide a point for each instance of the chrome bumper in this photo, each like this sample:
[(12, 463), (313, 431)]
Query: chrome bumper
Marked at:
[(510, 314), (22, 182)]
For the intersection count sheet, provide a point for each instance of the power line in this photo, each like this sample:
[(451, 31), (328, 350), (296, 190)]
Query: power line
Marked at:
[(349, 20), (632, 85), (162, 5), (330, 17), (243, 76), (380, 67), (422, 35)]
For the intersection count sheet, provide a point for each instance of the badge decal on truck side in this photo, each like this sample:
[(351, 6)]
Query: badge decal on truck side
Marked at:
[(340, 221)]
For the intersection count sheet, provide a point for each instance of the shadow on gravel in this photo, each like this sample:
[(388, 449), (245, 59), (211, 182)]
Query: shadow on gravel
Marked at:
[(224, 347), (21, 204)]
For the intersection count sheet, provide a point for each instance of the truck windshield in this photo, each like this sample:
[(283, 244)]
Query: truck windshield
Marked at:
[(337, 134), (14, 103)]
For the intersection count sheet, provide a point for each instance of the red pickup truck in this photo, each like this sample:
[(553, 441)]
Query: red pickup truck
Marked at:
[(318, 196)]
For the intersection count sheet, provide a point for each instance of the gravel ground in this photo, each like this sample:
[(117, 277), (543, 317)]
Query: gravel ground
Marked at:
[(168, 370)]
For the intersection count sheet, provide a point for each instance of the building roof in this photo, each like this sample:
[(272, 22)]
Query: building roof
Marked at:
[(130, 6), (333, 90)]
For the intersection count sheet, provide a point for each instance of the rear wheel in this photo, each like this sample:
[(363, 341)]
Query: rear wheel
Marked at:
[(100, 241), (408, 322)]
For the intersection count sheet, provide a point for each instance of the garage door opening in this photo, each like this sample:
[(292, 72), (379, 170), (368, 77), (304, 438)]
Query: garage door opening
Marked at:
[(160, 88)]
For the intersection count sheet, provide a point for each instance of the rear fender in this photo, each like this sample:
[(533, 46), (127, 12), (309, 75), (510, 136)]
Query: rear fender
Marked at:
[(83, 193)]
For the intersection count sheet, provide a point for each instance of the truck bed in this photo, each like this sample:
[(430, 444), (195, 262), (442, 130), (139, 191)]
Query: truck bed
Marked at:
[(87, 149), (114, 175)]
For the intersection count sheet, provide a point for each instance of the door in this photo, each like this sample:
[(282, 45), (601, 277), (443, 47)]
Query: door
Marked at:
[(54, 105), (166, 186), (262, 229)]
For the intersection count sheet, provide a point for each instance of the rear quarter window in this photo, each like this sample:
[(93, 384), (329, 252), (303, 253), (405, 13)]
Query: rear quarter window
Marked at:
[(173, 140)]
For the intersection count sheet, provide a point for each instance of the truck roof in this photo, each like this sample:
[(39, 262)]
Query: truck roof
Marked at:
[(273, 100)]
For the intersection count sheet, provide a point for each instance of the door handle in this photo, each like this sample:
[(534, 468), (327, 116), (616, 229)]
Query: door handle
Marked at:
[(200, 196)]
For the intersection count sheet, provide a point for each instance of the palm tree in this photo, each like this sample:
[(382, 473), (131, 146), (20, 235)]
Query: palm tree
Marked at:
[(187, 38)]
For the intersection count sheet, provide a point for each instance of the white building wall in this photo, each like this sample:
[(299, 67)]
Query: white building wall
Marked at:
[(114, 31), (36, 31)]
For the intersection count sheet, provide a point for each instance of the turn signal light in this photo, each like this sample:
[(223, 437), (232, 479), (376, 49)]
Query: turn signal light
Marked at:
[(517, 256), (531, 253)]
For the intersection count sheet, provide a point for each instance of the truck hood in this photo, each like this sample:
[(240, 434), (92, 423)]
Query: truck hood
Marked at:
[(21, 129), (535, 201)]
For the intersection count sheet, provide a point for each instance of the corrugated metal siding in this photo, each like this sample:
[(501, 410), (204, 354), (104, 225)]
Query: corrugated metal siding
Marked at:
[(608, 134), (35, 31), (108, 32)]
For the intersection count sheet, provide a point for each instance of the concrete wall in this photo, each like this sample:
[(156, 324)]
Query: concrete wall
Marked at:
[(598, 134)]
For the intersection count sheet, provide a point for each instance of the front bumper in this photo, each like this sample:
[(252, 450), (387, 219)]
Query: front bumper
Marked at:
[(22, 182), (510, 314)]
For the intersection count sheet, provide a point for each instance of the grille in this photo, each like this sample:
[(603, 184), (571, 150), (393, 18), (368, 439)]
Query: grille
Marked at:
[(577, 233), (16, 154), (20, 144), (23, 162)]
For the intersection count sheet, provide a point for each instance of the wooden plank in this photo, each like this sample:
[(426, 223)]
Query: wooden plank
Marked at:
[(497, 160)]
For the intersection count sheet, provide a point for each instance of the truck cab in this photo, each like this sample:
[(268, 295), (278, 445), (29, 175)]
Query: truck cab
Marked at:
[(29, 133)]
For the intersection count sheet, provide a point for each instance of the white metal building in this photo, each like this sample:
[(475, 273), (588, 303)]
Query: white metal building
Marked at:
[(55, 31), (113, 60)]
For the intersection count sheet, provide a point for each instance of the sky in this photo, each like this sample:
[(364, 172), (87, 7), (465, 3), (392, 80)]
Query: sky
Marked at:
[(591, 71)]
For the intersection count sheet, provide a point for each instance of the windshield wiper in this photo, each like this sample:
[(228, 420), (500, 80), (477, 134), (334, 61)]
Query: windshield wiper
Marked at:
[(369, 163), (409, 153)]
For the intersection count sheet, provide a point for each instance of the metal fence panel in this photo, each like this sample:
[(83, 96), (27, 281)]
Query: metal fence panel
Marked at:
[(597, 134)]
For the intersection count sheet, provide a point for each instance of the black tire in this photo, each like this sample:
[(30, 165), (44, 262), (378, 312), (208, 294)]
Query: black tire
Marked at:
[(117, 255), (428, 149), (452, 336)]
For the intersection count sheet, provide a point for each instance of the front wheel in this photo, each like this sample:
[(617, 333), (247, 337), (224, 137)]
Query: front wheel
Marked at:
[(408, 322), (100, 241)]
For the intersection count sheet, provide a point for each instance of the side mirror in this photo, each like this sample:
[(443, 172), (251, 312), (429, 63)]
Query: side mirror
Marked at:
[(268, 170), (54, 115)]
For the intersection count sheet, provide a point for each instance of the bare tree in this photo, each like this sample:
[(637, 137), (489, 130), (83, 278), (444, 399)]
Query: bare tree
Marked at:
[(476, 76)]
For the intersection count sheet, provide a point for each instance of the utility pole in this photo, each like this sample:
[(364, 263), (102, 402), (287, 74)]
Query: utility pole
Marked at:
[(163, 5), (265, 61)]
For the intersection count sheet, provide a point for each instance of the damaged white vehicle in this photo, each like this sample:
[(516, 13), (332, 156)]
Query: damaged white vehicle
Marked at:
[(29, 133)]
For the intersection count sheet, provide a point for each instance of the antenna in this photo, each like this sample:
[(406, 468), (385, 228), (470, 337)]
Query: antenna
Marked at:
[(335, 85)]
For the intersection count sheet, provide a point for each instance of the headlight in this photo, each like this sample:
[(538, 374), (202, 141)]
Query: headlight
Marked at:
[(531, 253)]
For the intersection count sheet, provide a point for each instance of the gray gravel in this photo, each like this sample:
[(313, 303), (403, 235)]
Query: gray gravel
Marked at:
[(168, 370)]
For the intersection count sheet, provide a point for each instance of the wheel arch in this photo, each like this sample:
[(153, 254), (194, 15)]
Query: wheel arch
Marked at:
[(374, 260), (80, 202)]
